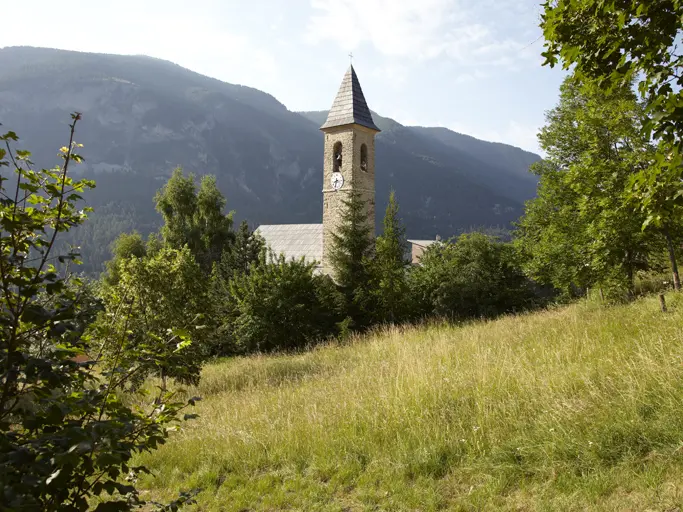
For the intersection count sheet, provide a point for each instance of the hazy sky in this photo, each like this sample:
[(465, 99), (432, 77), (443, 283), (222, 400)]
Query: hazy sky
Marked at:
[(471, 65)]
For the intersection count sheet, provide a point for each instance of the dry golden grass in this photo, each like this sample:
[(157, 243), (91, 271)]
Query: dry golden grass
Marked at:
[(578, 408)]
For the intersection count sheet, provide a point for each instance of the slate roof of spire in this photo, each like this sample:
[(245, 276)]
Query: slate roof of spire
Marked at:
[(349, 106)]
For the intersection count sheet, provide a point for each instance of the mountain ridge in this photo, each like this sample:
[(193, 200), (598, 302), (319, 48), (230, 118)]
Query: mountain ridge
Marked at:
[(144, 116)]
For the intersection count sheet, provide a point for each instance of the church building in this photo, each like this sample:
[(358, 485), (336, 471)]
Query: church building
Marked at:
[(349, 166)]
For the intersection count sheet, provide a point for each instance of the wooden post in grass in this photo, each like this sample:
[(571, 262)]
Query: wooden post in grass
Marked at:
[(662, 302)]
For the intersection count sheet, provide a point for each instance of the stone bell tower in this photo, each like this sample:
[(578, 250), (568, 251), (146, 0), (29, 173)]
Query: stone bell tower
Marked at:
[(349, 158)]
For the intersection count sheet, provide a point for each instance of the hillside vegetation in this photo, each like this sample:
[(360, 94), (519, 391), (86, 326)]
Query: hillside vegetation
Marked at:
[(569, 409), (142, 117)]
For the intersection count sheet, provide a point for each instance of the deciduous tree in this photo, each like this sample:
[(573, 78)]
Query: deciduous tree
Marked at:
[(126, 246), (581, 231), (282, 305), (166, 298), (618, 43), (66, 435), (473, 276), (195, 218)]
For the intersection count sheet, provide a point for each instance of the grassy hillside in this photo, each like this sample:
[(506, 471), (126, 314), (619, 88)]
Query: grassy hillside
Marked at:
[(571, 409)]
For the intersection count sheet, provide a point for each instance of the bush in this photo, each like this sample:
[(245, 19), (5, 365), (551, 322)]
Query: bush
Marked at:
[(282, 305), (475, 276)]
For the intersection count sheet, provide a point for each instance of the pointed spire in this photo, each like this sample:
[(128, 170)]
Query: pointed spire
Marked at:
[(349, 106)]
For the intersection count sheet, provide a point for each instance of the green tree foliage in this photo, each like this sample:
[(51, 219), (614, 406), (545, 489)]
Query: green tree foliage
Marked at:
[(580, 230), (550, 235), (215, 228), (616, 43), (65, 434), (153, 245), (195, 218), (165, 298), (282, 305), (126, 246), (237, 260), (350, 255), (244, 252), (389, 268), (475, 276)]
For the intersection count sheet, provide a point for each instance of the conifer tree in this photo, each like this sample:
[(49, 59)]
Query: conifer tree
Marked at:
[(351, 254), (247, 250), (243, 253), (389, 267)]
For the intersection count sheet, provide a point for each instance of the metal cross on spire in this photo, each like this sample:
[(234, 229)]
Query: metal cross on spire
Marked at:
[(351, 57)]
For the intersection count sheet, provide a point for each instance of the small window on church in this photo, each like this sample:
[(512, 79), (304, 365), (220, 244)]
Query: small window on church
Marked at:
[(364, 157), (337, 157)]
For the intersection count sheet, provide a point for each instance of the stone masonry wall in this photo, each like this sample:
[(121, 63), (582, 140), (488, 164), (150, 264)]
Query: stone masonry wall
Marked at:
[(355, 179)]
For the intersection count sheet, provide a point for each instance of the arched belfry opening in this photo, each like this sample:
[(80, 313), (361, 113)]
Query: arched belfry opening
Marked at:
[(337, 157), (364, 158)]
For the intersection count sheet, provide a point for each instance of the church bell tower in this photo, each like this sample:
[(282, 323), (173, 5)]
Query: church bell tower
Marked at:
[(349, 159)]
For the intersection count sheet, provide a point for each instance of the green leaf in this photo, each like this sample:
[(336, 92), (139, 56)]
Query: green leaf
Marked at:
[(9, 136)]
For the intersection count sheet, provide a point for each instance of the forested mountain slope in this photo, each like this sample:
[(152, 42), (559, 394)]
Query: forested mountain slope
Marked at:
[(142, 117)]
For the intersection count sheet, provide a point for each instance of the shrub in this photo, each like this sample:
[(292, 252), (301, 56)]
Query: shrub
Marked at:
[(282, 305), (474, 276)]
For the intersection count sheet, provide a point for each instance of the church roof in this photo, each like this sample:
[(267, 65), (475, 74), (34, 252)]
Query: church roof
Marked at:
[(294, 240), (349, 106), (423, 243)]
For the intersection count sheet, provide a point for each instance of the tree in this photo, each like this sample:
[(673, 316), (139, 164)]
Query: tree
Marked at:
[(166, 297), (244, 252), (195, 218), (65, 433), (283, 306), (126, 246), (215, 228), (473, 277), (551, 235), (177, 204), (350, 255), (617, 43), (580, 231), (390, 285)]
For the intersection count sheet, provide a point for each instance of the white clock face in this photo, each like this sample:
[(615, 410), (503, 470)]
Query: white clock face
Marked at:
[(337, 180)]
